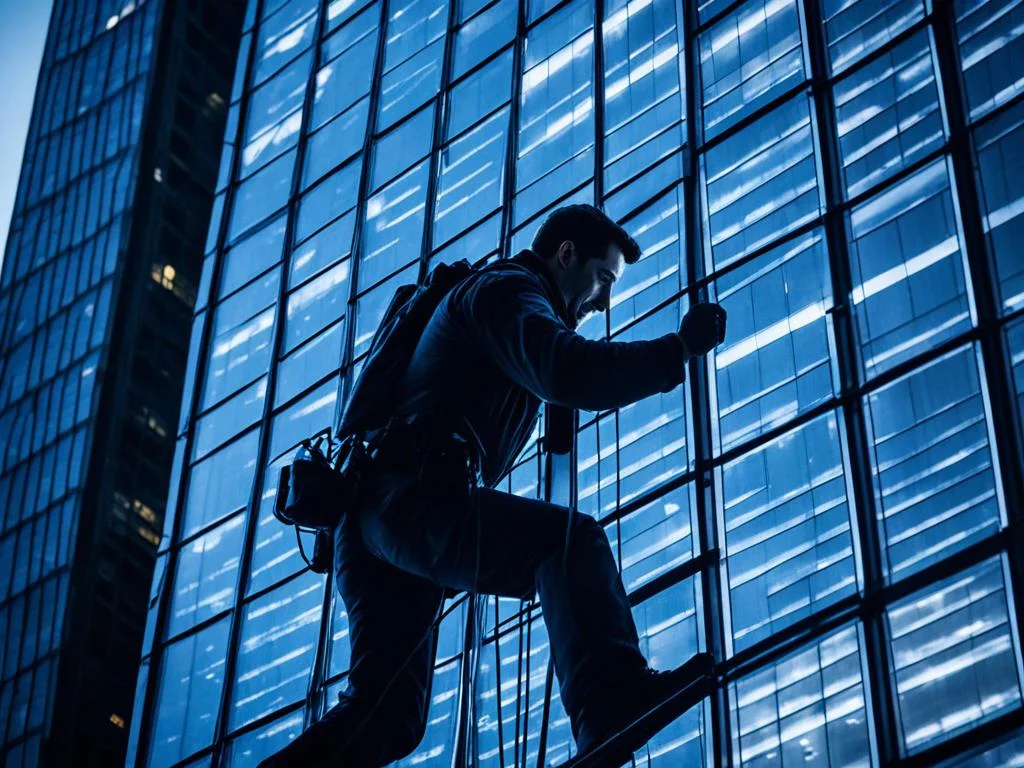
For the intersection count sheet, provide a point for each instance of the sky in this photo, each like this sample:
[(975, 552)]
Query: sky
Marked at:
[(23, 26)]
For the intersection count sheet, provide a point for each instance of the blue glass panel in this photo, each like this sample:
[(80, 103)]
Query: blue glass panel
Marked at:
[(932, 463), (1015, 341), (315, 305), (345, 80), (241, 338), (1000, 146), (409, 85), (363, 25), (336, 142), (670, 624), (887, 114), (277, 99), (282, 36), (228, 419), (468, 7), (484, 34), (402, 147), (1009, 754), (855, 28), (188, 695), (478, 95), (252, 256), (474, 244), (761, 182), (413, 26), (220, 484), (309, 363), (277, 648), (393, 230), (991, 35), (808, 708), (255, 746), (661, 273), (748, 58), (655, 538), (643, 65), (329, 199), (955, 655), (261, 194), (207, 571), (789, 548), (327, 247), (776, 361), (370, 307), (471, 178), (908, 274), (435, 750), (339, 11)]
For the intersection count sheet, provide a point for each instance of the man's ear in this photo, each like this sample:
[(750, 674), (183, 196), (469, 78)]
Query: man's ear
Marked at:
[(565, 252)]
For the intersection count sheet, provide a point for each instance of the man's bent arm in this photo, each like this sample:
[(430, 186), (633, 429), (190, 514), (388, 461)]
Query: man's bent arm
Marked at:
[(513, 322)]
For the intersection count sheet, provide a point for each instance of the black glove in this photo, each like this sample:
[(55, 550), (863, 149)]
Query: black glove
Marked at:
[(703, 328)]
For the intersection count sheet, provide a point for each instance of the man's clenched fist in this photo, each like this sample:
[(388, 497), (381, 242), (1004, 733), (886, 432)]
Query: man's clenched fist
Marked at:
[(703, 328)]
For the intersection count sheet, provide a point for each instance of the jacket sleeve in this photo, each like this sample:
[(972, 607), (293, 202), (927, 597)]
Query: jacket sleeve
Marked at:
[(511, 319)]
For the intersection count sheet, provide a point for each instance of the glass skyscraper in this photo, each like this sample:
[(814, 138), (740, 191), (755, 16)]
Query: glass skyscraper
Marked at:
[(832, 503), (96, 297)]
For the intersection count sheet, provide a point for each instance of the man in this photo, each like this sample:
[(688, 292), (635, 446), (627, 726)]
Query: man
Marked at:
[(429, 521)]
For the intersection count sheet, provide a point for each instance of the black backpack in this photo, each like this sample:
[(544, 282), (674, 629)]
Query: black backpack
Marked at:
[(323, 479)]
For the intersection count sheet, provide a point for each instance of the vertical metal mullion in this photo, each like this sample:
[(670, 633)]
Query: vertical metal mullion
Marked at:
[(163, 597), (1006, 427), (707, 528), (252, 520), (883, 707)]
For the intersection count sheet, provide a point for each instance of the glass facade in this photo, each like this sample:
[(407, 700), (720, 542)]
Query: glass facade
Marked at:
[(828, 504), (98, 285)]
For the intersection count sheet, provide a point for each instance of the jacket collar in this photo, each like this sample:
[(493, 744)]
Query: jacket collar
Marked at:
[(533, 263)]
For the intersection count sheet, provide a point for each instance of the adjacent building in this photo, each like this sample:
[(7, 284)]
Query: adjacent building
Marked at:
[(832, 503), (97, 293)]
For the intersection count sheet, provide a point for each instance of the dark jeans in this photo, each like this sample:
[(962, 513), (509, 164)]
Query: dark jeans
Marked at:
[(394, 557)]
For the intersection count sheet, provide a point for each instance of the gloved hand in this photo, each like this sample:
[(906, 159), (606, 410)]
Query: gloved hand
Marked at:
[(703, 328)]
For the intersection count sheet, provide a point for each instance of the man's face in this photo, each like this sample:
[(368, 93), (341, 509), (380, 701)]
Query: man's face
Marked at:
[(586, 280)]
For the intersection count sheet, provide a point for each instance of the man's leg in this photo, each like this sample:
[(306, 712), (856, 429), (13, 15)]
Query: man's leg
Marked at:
[(496, 543), (382, 714)]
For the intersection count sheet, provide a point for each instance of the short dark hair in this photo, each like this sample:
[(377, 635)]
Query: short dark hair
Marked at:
[(586, 226)]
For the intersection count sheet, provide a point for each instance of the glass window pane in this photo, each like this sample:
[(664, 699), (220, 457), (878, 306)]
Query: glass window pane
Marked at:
[(1015, 341), (747, 59), (484, 34), (479, 95), (932, 463), (908, 274), (474, 245), (344, 81), (310, 363), (283, 95), (396, 151), (370, 307), (336, 142), (261, 194), (855, 28), (255, 746), (393, 231), (241, 338), (327, 247), (1009, 754), (953, 657), (277, 648), (363, 25), (410, 85), (471, 178), (788, 542), (887, 114), (1000, 146), (282, 36), (435, 750), (413, 26), (221, 484), (776, 362), (228, 419), (188, 695), (252, 256), (327, 200), (807, 708), (668, 624), (991, 35), (761, 183), (316, 304), (207, 571), (643, 64)]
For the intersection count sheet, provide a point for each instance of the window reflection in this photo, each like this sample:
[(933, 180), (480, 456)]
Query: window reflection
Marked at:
[(207, 571), (788, 542), (435, 750), (932, 463), (991, 36), (393, 231), (953, 654), (855, 28)]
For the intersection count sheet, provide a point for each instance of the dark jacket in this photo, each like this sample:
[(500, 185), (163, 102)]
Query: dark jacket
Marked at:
[(501, 342)]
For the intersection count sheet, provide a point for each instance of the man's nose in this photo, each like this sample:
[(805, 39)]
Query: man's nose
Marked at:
[(603, 300)]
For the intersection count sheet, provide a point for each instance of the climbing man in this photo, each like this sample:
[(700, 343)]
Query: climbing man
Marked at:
[(429, 521)]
